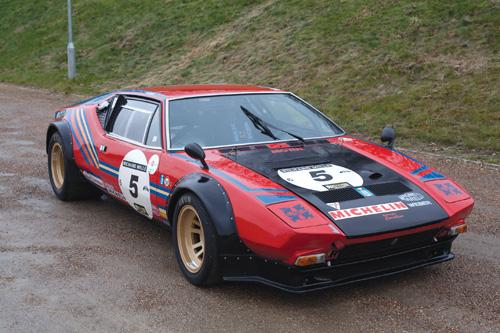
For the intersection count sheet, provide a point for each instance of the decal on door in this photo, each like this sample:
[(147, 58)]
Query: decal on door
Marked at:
[(133, 178), (322, 177)]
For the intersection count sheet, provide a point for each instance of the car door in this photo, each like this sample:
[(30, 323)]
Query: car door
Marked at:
[(130, 151)]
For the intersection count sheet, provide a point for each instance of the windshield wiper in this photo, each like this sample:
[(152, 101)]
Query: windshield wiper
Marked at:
[(264, 126), (258, 123)]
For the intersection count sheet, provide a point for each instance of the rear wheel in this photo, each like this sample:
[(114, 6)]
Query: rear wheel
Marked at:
[(66, 180), (195, 242)]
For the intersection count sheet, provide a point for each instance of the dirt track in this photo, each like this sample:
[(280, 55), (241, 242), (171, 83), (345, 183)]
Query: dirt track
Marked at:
[(98, 266)]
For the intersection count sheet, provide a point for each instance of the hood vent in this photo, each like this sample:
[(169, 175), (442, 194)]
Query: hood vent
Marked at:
[(388, 188), (345, 194)]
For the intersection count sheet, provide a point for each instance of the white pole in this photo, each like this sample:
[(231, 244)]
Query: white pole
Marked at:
[(71, 46)]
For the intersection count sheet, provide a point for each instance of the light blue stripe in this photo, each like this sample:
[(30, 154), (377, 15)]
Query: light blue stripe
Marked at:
[(272, 199)]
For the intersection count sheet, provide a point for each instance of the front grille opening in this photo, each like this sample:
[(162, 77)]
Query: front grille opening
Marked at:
[(384, 247)]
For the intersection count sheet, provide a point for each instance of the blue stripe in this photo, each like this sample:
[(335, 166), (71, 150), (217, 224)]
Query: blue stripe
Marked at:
[(109, 166), (272, 199), (71, 126), (88, 134), (85, 146), (160, 187), (161, 195), (110, 173), (431, 176), (419, 170)]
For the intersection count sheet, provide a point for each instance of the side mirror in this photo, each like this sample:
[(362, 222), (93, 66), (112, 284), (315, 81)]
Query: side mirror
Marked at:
[(388, 135), (195, 151)]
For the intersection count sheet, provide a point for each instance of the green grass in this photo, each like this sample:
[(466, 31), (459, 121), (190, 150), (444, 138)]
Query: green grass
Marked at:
[(431, 68)]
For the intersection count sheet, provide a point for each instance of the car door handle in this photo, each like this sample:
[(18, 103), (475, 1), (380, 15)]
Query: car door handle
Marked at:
[(103, 148)]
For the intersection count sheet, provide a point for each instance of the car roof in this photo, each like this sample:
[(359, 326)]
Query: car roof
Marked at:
[(200, 90)]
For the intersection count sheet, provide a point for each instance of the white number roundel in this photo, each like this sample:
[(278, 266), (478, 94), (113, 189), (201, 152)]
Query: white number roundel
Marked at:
[(321, 177), (133, 179)]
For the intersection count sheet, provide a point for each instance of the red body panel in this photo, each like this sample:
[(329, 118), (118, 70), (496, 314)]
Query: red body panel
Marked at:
[(260, 226)]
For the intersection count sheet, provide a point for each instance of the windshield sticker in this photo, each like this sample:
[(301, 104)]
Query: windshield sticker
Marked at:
[(322, 177)]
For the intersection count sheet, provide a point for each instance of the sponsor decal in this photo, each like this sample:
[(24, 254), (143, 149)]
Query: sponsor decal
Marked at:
[(392, 216), (448, 189), (134, 182), (164, 180), (348, 213), (419, 203), (135, 166), (153, 163), (411, 196), (337, 186), (334, 205), (93, 179), (297, 213), (113, 192), (364, 192), (285, 150), (321, 177), (140, 209)]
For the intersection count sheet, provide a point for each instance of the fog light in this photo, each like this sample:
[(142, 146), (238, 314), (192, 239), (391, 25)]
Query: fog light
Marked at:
[(459, 229), (312, 259)]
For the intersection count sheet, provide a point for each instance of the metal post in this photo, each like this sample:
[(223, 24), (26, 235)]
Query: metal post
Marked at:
[(71, 46)]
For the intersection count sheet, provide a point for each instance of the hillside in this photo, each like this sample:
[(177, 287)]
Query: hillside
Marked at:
[(431, 68)]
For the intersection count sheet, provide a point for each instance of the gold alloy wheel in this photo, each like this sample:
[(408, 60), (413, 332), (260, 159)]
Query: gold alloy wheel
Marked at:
[(57, 165), (190, 238)]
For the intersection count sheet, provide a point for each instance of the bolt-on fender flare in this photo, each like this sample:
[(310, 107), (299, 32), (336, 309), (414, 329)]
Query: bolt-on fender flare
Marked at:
[(62, 127), (219, 208)]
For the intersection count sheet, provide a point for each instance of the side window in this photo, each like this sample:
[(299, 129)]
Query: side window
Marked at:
[(154, 133), (132, 119)]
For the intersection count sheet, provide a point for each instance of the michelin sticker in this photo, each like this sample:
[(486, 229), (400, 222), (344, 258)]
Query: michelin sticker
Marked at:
[(133, 179), (322, 177)]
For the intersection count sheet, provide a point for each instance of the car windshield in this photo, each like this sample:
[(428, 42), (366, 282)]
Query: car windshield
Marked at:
[(224, 120)]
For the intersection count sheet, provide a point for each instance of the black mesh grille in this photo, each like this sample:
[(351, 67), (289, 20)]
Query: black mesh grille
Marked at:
[(388, 188), (344, 194), (385, 246)]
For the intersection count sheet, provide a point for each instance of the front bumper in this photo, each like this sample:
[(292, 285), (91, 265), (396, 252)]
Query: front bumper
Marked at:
[(294, 279)]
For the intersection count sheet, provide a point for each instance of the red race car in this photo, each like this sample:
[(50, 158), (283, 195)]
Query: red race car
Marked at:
[(257, 185)]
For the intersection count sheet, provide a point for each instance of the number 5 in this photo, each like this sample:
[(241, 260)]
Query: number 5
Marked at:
[(320, 176), (133, 185)]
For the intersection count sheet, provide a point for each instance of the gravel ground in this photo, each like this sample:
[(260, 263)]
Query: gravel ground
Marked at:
[(98, 266)]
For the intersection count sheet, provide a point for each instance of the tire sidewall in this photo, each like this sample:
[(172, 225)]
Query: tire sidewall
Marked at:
[(208, 273)]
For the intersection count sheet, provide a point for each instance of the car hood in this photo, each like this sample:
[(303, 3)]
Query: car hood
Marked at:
[(362, 197)]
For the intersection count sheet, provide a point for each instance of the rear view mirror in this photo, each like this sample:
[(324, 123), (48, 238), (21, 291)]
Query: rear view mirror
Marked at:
[(195, 151), (388, 135)]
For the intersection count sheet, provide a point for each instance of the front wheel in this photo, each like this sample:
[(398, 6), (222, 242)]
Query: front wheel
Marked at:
[(195, 242), (65, 178)]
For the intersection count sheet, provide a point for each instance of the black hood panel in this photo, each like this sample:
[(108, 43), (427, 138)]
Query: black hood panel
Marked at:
[(360, 195)]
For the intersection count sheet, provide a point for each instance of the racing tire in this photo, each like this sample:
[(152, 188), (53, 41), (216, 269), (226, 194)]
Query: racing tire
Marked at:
[(195, 242), (66, 179)]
